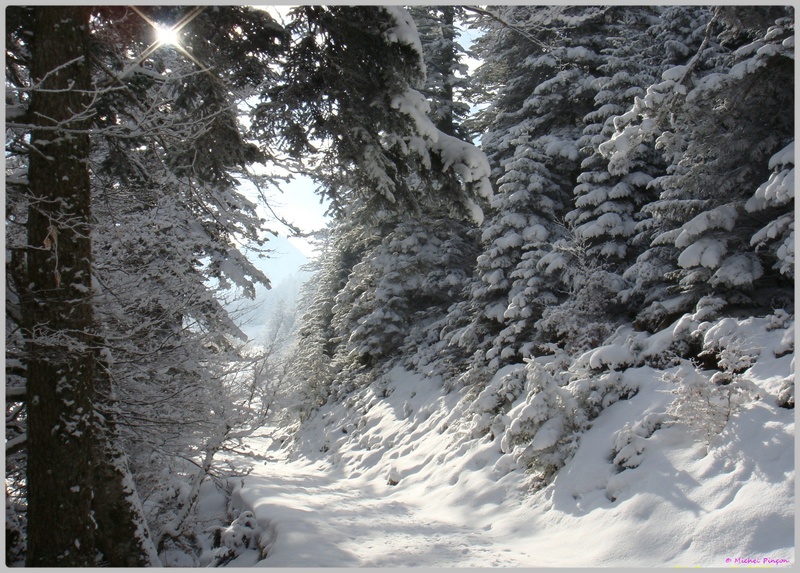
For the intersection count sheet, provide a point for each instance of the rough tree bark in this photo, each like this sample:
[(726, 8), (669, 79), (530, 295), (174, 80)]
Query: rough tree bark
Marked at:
[(56, 297), (82, 504)]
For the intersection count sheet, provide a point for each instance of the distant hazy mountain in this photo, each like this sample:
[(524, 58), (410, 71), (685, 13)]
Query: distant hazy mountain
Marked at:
[(283, 267)]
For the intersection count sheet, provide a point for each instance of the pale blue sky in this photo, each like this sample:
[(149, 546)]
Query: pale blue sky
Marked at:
[(297, 203)]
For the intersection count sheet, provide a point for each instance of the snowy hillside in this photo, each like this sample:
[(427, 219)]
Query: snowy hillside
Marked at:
[(396, 476)]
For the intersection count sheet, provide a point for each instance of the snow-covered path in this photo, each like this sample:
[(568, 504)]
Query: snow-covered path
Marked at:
[(318, 517), (683, 507), (460, 501)]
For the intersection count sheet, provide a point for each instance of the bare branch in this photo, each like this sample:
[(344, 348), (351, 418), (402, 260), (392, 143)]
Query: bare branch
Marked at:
[(507, 24), (16, 444)]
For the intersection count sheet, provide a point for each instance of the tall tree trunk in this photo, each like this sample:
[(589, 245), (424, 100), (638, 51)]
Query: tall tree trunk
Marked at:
[(56, 298)]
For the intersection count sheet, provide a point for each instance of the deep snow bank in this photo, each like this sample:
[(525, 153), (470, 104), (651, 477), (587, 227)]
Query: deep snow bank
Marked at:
[(653, 480)]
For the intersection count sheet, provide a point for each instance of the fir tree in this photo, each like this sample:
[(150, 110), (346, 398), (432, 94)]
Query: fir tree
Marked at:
[(396, 258), (608, 205), (540, 64), (700, 118), (445, 74), (350, 113), (54, 271)]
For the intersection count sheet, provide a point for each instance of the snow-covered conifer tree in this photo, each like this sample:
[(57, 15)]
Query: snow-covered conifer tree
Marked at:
[(52, 270), (607, 210), (606, 207), (445, 72), (540, 64), (170, 219), (404, 284), (349, 110), (702, 118), (400, 245)]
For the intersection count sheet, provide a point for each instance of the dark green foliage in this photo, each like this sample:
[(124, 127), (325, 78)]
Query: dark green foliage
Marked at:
[(329, 110)]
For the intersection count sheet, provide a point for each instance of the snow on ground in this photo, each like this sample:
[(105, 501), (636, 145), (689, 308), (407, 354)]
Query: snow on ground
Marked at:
[(392, 478)]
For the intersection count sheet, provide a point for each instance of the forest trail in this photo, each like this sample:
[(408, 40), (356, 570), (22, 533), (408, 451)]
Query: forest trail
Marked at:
[(317, 516), (460, 502)]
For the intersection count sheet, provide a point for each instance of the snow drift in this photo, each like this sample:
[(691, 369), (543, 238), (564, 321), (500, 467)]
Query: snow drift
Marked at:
[(674, 466)]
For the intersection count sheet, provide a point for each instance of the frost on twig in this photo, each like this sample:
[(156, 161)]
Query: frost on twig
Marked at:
[(702, 404)]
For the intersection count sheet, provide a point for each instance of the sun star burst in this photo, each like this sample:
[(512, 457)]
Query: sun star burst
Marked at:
[(167, 36)]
